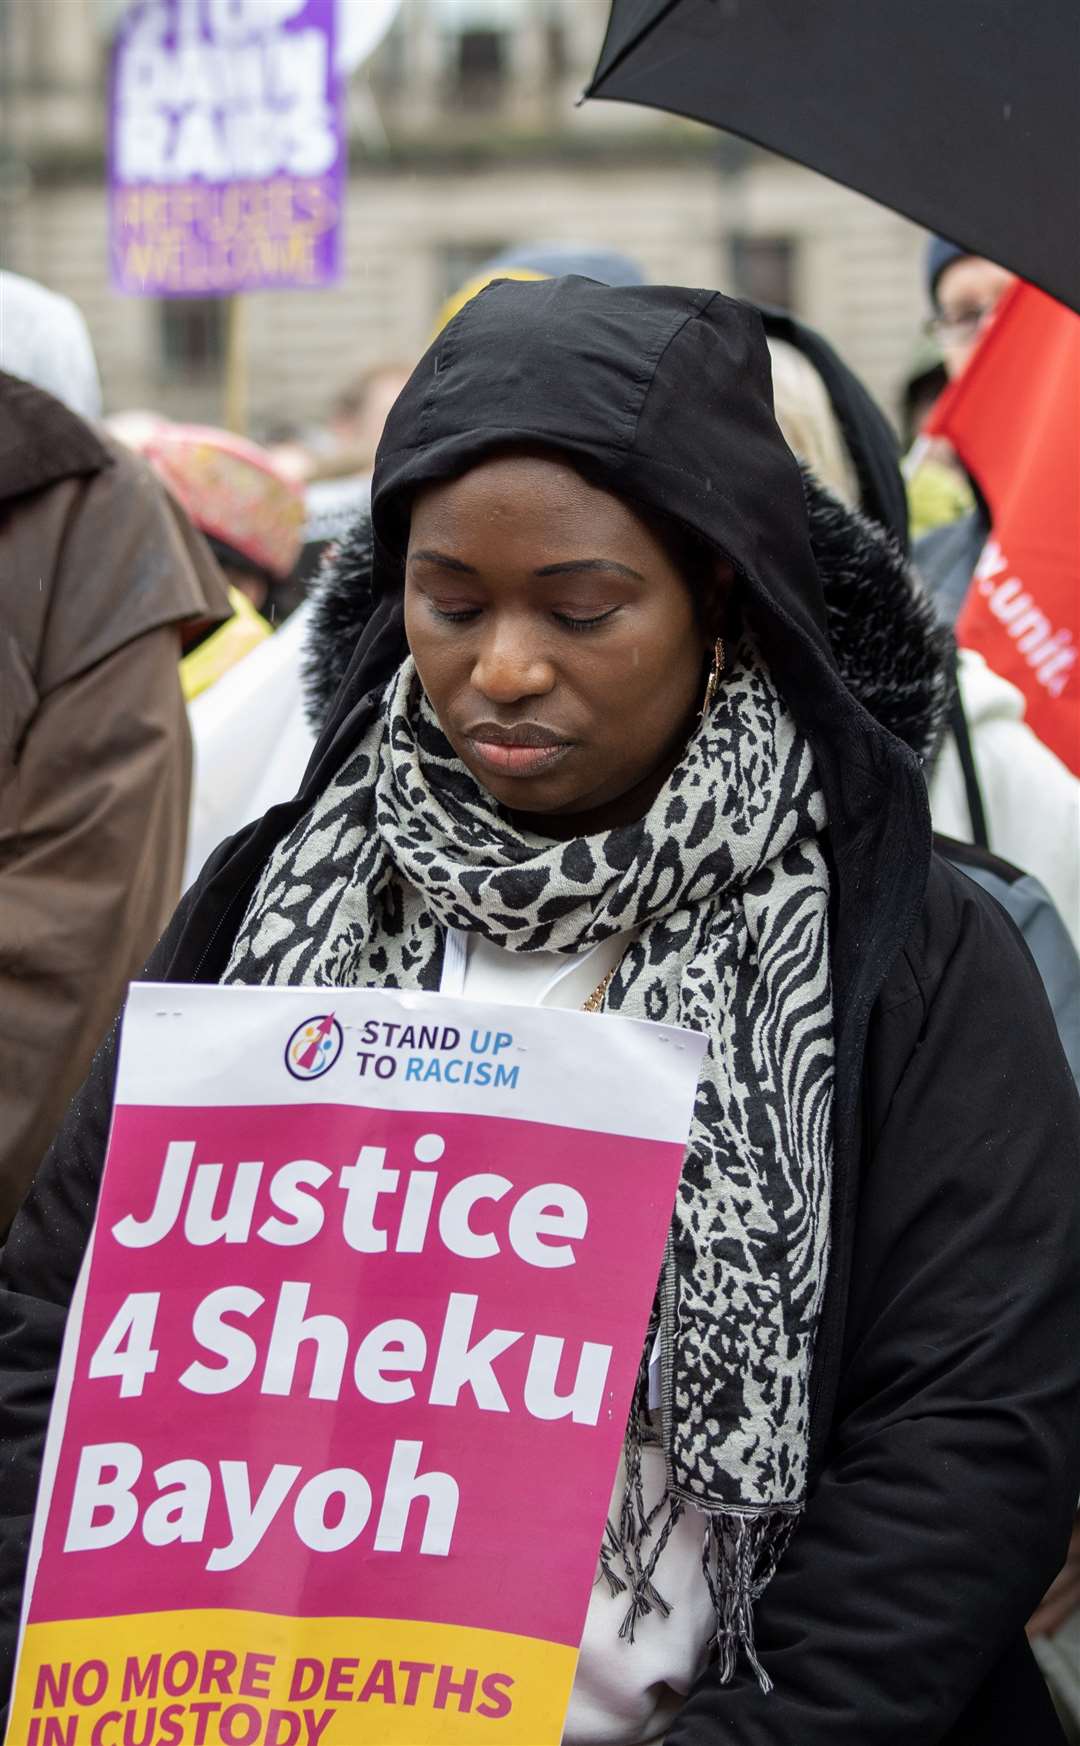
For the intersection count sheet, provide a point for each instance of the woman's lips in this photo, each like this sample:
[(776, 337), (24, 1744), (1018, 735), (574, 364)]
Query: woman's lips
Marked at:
[(506, 758)]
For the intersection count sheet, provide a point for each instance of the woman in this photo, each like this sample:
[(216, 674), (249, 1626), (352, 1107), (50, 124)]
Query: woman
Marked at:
[(593, 747)]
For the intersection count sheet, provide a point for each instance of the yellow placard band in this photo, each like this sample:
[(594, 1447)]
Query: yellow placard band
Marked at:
[(256, 1679)]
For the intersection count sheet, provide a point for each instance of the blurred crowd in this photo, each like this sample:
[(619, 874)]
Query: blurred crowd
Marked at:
[(178, 613)]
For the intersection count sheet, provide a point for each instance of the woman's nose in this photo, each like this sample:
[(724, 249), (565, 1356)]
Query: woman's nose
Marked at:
[(510, 666)]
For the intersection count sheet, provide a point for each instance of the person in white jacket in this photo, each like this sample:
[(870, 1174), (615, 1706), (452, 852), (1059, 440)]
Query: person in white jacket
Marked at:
[(1030, 799)]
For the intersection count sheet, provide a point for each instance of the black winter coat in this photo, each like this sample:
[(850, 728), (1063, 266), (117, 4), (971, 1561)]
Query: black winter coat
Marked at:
[(945, 1426)]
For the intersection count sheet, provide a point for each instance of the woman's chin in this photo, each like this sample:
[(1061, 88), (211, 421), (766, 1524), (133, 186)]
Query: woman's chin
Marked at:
[(555, 801), (529, 794)]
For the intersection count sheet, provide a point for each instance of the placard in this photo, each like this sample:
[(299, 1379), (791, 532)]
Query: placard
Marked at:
[(346, 1378), (226, 152)]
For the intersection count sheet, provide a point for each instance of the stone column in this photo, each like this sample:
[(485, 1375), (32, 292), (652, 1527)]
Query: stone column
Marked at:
[(530, 81), (424, 58)]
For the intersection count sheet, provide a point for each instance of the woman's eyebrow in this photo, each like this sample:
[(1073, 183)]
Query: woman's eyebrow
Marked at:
[(443, 560), (576, 566)]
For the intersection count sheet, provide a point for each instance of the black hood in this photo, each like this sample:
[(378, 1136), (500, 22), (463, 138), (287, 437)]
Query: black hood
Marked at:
[(889, 648), (658, 394), (663, 396)]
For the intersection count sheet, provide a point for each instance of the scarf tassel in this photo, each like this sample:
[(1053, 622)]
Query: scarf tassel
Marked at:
[(610, 1551), (645, 1597), (739, 1556), (636, 1526), (741, 1551)]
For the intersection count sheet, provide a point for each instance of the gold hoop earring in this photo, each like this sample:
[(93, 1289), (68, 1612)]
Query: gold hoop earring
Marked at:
[(716, 673)]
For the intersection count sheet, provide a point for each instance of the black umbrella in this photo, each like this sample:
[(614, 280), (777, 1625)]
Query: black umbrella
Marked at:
[(962, 114)]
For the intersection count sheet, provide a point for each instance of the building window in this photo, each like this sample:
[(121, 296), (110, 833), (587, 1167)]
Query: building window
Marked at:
[(192, 335), (479, 63), (763, 269)]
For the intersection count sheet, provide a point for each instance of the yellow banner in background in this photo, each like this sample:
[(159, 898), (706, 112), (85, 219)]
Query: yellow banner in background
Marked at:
[(310, 1682)]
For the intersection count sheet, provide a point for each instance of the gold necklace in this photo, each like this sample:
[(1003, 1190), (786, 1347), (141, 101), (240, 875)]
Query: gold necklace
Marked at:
[(596, 998)]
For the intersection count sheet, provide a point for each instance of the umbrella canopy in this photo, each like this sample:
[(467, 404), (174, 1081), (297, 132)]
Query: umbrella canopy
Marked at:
[(962, 116)]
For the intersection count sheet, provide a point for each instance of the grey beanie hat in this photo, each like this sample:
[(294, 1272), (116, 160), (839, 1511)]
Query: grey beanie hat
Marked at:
[(940, 254)]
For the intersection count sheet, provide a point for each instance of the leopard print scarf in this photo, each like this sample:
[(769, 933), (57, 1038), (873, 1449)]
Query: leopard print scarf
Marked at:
[(726, 888)]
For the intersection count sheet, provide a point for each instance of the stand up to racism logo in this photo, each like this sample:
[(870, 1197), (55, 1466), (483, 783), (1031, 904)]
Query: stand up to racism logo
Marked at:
[(314, 1046)]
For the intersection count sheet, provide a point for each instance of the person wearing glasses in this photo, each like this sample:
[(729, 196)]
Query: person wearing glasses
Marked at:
[(964, 290), (998, 785)]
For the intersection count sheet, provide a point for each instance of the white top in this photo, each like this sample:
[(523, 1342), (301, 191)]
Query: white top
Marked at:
[(1031, 799), (472, 966), (625, 1694), (250, 740)]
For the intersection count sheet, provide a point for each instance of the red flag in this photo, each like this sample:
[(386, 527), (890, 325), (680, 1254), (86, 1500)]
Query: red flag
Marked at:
[(1013, 417)]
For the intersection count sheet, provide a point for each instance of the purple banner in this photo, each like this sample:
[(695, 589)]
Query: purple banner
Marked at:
[(226, 155)]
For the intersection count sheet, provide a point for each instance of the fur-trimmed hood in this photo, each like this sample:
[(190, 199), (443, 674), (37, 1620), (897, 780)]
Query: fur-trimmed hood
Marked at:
[(892, 654)]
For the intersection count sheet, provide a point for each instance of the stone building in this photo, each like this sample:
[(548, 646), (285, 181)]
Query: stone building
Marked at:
[(465, 137)]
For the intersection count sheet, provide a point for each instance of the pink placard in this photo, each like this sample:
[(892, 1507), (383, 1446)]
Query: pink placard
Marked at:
[(347, 1365)]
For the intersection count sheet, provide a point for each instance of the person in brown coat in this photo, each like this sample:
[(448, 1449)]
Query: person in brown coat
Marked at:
[(100, 573)]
